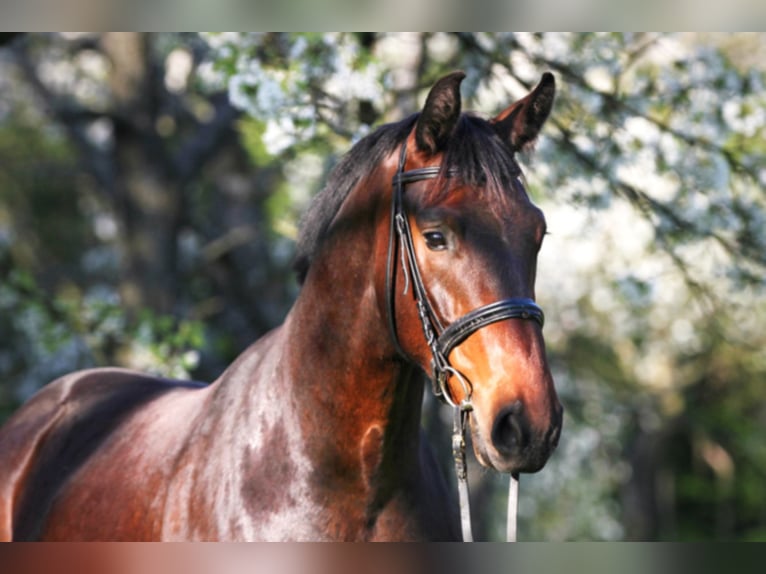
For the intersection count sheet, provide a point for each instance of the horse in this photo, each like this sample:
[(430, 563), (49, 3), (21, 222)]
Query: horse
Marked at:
[(417, 259)]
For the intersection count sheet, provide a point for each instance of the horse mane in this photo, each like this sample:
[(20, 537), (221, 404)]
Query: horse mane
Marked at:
[(358, 162), (475, 152)]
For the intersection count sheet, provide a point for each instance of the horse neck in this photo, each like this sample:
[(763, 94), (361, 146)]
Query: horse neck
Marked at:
[(358, 399), (322, 404)]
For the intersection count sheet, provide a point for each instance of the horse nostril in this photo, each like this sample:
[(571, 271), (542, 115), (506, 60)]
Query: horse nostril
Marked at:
[(554, 433), (509, 433), (553, 436)]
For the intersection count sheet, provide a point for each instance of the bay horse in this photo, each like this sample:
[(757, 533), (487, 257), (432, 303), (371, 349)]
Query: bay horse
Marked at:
[(419, 256)]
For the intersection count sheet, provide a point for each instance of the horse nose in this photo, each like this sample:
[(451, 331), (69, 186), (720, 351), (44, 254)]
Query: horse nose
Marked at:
[(510, 431)]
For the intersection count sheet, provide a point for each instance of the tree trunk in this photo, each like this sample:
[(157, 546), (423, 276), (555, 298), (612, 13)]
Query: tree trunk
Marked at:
[(148, 197)]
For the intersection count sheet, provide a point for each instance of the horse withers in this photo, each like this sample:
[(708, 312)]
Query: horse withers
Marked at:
[(419, 256)]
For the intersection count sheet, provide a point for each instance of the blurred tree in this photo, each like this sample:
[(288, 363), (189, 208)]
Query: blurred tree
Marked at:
[(128, 129), (151, 186), (159, 180)]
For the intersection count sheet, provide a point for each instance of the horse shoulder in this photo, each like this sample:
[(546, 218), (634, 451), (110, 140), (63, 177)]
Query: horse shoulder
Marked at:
[(234, 476)]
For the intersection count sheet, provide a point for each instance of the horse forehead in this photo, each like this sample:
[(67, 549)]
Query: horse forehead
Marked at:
[(509, 217)]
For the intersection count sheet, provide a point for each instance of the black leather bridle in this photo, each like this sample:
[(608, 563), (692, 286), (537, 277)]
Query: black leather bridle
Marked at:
[(442, 340)]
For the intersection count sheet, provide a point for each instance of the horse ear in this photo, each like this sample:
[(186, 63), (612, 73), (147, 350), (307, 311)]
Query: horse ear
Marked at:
[(520, 123), (440, 114)]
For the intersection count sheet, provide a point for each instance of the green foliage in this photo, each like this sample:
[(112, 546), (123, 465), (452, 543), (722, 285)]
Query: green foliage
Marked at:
[(55, 335), (252, 131)]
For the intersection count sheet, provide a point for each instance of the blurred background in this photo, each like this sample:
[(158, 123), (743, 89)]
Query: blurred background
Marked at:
[(151, 187)]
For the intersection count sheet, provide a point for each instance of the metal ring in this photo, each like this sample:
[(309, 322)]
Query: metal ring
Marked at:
[(465, 405)]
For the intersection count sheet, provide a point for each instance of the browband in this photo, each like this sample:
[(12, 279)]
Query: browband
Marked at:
[(421, 173)]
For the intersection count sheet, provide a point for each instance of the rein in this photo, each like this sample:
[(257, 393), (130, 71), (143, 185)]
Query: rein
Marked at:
[(443, 340)]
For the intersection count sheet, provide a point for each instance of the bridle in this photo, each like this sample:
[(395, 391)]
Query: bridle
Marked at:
[(440, 339)]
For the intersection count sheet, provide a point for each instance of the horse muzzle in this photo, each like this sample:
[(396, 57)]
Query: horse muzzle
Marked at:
[(513, 444)]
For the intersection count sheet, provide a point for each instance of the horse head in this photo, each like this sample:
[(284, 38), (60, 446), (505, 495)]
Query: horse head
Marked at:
[(472, 235)]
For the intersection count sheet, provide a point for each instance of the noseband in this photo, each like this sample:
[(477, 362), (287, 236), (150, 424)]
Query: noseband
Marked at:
[(442, 340)]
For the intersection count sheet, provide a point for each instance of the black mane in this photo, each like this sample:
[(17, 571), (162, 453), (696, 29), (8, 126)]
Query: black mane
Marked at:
[(474, 151)]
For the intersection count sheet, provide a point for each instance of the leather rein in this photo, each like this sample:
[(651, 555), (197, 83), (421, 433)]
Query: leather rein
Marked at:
[(442, 340)]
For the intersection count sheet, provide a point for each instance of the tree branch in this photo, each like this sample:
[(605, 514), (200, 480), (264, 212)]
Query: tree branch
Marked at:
[(195, 152), (70, 115)]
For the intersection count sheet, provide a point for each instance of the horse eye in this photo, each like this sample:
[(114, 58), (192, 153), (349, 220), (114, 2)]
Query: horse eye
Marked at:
[(435, 240)]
